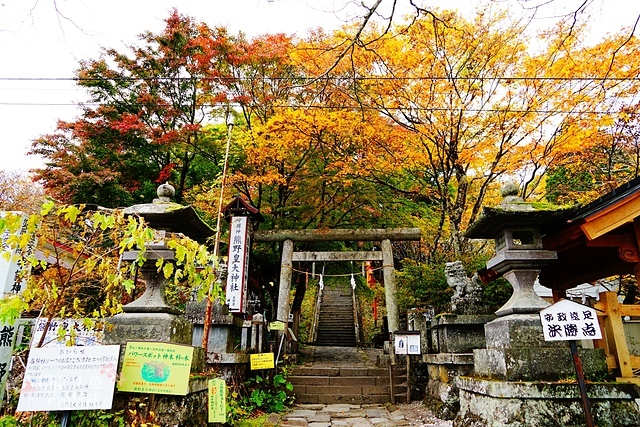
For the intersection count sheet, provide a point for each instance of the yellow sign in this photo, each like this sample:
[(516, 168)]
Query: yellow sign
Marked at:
[(217, 401), (277, 326), (261, 361), (156, 367)]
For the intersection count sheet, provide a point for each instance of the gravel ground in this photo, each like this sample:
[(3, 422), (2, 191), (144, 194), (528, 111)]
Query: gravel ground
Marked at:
[(418, 415)]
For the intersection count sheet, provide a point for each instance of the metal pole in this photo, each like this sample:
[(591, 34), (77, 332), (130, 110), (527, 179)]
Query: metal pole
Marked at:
[(209, 305), (408, 378), (64, 420), (583, 387), (392, 362)]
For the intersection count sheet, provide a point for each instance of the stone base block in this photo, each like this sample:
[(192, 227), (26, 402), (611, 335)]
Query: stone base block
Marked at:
[(162, 327), (528, 364), (166, 410), (517, 331), (485, 403), (441, 389), (453, 333)]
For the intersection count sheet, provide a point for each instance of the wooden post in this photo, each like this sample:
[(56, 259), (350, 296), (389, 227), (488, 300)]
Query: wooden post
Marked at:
[(614, 328), (286, 272), (390, 291)]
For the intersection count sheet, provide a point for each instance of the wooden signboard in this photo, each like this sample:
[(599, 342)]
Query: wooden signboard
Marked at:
[(217, 400)]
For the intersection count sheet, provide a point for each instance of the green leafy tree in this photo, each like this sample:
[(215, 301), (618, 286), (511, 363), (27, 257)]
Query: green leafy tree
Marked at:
[(75, 271)]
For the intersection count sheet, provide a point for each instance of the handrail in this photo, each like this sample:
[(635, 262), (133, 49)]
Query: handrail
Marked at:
[(316, 313), (356, 312)]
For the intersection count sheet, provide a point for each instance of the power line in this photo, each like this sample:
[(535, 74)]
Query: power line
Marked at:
[(354, 108), (323, 78)]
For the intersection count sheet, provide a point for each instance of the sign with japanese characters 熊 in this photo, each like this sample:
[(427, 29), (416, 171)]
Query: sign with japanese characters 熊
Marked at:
[(236, 289), (567, 320), (13, 280), (69, 378)]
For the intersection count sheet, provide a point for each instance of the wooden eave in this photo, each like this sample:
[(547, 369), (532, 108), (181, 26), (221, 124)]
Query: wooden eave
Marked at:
[(600, 241)]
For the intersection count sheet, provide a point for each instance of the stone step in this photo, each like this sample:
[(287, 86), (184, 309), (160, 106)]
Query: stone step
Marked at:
[(332, 399), (335, 343), (340, 371), (346, 389), (328, 333), (335, 325), (337, 313), (320, 380), (329, 317)]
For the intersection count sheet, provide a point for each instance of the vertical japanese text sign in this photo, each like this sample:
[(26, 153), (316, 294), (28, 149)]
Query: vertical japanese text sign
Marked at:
[(12, 267), (238, 265), (567, 320), (12, 282), (217, 400)]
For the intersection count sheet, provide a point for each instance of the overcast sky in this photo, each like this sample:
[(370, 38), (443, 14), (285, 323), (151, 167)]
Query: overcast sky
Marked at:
[(38, 43)]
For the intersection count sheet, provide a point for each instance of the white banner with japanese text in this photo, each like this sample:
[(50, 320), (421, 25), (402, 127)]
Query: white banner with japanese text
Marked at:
[(237, 276)]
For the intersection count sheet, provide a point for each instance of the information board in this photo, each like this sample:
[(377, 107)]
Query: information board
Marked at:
[(69, 378), (156, 367), (406, 342), (217, 400), (261, 361), (276, 326), (567, 320)]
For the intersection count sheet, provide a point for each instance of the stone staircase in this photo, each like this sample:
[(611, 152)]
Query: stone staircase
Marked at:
[(336, 325), (341, 375)]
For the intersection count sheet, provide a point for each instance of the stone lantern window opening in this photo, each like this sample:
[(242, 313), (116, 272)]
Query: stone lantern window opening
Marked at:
[(522, 238)]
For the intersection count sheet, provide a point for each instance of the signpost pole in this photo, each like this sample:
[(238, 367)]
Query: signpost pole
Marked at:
[(64, 420), (583, 388), (569, 321)]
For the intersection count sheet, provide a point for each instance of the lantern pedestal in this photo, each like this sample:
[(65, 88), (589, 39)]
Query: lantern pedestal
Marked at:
[(519, 379)]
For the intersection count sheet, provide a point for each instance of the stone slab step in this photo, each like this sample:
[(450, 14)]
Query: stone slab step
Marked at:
[(366, 390), (339, 371), (347, 399), (297, 380), (335, 343)]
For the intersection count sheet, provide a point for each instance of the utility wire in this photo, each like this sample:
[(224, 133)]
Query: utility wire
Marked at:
[(324, 78), (343, 107)]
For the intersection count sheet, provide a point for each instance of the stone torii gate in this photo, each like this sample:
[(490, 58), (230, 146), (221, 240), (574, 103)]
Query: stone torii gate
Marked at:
[(384, 236)]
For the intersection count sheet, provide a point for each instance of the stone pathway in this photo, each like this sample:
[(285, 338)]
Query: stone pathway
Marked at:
[(318, 415), (413, 414)]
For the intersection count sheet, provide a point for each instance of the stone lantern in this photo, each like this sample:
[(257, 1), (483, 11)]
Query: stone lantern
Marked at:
[(516, 375), (150, 317), (515, 226)]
